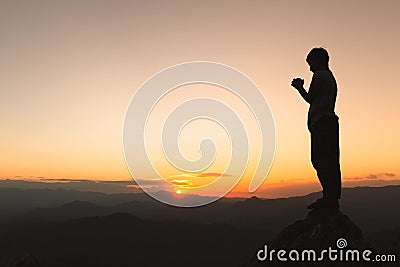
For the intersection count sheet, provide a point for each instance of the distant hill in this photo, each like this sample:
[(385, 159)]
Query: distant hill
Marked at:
[(125, 240), (370, 207), (77, 227)]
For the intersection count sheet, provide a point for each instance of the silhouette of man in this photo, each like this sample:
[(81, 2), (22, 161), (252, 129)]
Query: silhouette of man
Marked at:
[(323, 125)]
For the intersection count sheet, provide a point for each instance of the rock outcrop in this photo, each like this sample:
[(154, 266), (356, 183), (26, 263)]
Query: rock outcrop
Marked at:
[(319, 231), (26, 261)]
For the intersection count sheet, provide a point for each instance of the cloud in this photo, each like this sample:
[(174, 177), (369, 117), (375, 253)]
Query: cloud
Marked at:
[(45, 179), (139, 187), (81, 181), (354, 178), (153, 182), (390, 174), (200, 175), (71, 184), (213, 174), (183, 183), (372, 176)]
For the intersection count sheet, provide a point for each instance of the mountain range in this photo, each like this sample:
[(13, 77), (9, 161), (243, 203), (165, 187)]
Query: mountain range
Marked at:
[(77, 228)]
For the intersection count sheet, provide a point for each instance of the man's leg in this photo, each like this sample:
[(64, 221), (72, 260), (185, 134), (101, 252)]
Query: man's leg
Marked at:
[(330, 165), (325, 157)]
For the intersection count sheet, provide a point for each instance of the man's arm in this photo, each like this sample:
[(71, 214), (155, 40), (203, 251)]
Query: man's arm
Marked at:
[(299, 85), (304, 94)]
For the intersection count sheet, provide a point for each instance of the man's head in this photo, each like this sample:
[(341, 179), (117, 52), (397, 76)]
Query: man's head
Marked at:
[(318, 59)]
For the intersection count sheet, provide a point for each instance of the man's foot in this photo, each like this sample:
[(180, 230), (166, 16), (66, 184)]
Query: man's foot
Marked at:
[(316, 204), (331, 204), (324, 203)]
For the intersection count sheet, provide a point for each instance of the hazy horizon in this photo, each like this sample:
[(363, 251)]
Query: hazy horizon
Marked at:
[(124, 186), (70, 69)]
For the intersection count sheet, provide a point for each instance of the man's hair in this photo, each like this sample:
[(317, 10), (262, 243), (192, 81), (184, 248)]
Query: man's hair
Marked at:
[(318, 54)]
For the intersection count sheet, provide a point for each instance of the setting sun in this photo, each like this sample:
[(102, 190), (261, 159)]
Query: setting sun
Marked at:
[(57, 132)]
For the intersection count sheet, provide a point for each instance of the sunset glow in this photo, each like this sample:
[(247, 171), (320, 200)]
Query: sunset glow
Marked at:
[(70, 69)]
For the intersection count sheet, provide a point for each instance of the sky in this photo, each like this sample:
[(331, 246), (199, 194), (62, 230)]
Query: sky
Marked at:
[(69, 69)]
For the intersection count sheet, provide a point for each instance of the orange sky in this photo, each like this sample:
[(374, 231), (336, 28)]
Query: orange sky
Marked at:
[(69, 69)]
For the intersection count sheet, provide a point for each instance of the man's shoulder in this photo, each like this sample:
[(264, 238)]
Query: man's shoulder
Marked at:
[(323, 76)]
